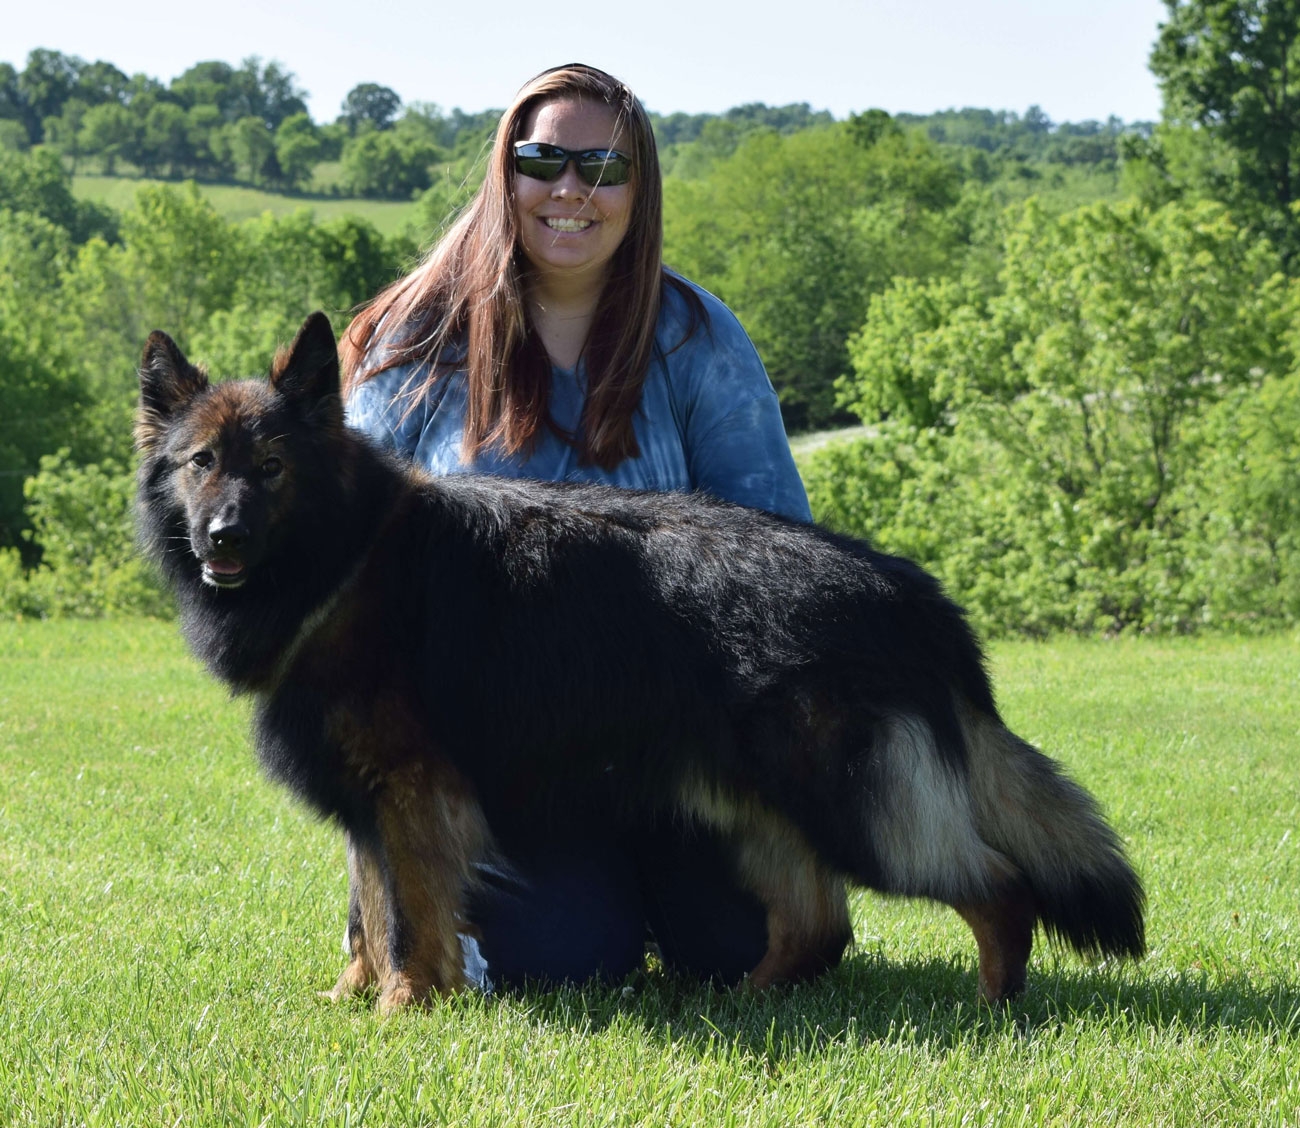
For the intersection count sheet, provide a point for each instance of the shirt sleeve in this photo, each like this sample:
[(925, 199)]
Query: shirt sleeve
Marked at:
[(736, 446), (378, 409)]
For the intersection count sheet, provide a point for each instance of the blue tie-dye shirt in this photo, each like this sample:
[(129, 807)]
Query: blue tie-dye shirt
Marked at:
[(708, 420)]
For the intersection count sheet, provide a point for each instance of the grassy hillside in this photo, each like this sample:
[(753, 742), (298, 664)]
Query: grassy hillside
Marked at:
[(236, 202)]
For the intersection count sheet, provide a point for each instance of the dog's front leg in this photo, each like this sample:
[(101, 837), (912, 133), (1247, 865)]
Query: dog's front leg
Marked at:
[(367, 934), (430, 831)]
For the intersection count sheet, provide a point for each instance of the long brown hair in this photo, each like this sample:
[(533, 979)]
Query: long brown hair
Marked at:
[(463, 306)]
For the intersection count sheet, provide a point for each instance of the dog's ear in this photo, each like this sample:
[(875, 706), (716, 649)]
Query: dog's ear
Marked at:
[(167, 382), (309, 369)]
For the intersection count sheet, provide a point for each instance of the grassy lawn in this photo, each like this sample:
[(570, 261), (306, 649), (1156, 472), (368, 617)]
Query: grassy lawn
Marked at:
[(168, 917), (236, 202)]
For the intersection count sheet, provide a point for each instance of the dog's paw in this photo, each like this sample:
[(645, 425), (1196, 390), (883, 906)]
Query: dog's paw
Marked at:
[(395, 997), (357, 979)]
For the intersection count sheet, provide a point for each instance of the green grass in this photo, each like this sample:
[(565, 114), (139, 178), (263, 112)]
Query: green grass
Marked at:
[(168, 916), (235, 202)]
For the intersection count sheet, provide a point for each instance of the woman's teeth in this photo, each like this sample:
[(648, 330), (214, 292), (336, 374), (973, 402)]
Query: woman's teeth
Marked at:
[(568, 224)]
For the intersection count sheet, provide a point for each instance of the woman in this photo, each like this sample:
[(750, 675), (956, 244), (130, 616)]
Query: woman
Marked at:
[(541, 337)]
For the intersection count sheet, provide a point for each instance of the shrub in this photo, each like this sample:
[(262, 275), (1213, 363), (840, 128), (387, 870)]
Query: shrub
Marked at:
[(81, 521)]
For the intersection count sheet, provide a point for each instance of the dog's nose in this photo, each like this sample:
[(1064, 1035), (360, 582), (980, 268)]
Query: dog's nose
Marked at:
[(227, 534)]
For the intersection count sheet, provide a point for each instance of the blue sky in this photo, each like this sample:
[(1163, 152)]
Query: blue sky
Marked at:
[(1075, 60)]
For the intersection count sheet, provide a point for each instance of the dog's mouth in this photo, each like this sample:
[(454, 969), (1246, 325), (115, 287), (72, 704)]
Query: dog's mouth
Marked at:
[(224, 573)]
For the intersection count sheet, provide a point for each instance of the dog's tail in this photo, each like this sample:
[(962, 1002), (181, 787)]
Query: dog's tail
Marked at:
[(1085, 892)]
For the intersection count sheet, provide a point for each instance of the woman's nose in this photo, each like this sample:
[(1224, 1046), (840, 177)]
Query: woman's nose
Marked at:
[(569, 185)]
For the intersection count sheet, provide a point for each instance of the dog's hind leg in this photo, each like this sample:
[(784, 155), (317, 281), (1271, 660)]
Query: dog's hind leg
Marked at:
[(927, 841), (807, 906), (1084, 890), (1004, 934)]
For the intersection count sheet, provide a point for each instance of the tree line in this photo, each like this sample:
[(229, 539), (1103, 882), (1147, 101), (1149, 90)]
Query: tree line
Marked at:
[(1072, 349), (249, 124), (218, 122)]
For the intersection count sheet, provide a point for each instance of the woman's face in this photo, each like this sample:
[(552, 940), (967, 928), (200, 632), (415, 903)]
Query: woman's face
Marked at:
[(567, 228)]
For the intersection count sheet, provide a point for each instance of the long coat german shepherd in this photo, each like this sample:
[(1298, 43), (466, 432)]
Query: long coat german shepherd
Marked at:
[(425, 652)]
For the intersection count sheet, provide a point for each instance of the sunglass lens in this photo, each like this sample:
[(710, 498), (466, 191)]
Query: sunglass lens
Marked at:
[(611, 169), (540, 168)]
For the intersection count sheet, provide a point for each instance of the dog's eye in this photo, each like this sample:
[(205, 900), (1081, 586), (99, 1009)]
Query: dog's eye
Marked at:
[(203, 459), (271, 467)]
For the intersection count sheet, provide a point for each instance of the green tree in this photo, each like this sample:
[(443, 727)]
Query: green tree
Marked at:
[(13, 106), (298, 149), (213, 83), (682, 129), (52, 95), (254, 89), (65, 131), (1071, 401), (46, 82), (1242, 506), (917, 333), (454, 185), (355, 262), (40, 386), (471, 134), (871, 127), (385, 166), (1232, 69), (81, 520), (333, 136), (796, 233), (296, 265), (716, 140), (272, 90), (292, 266), (109, 132), (177, 262), (425, 121), (208, 142), (13, 136), (101, 82), (166, 141), (252, 145), (370, 106), (37, 182)]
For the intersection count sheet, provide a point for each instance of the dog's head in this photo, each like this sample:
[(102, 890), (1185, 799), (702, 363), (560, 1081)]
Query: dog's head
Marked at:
[(226, 461)]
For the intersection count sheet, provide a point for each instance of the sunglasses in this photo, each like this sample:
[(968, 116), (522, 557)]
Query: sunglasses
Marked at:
[(597, 167)]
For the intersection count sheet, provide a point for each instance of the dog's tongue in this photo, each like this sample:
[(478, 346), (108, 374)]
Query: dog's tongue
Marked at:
[(224, 567)]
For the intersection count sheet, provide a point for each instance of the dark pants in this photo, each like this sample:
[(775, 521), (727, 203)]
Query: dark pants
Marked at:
[(579, 909)]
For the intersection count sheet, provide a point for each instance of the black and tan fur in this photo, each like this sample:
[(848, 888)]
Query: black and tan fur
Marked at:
[(431, 658)]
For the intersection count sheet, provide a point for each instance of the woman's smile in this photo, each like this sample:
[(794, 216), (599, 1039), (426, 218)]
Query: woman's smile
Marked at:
[(559, 223)]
